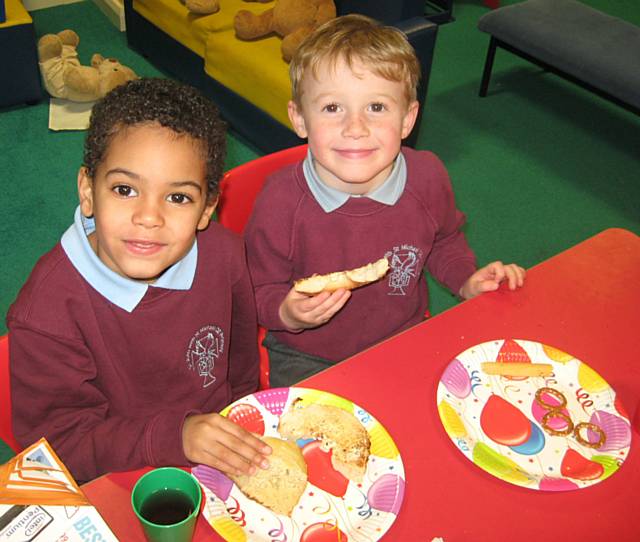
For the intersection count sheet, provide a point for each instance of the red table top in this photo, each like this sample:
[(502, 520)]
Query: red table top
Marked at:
[(585, 301)]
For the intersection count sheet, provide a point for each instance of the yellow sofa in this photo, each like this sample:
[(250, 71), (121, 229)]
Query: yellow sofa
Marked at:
[(247, 79)]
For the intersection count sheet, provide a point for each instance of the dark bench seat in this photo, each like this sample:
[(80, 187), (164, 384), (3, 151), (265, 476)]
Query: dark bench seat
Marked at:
[(18, 54), (590, 48)]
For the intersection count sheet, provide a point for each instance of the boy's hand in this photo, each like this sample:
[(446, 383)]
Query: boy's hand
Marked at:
[(212, 439), (488, 279), (299, 311)]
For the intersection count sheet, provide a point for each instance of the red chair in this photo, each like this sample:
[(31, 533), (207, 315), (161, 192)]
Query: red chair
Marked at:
[(238, 190), (6, 431)]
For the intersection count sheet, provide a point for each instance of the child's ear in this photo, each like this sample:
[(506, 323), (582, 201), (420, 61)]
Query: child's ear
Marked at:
[(410, 118), (205, 218), (85, 192), (297, 119)]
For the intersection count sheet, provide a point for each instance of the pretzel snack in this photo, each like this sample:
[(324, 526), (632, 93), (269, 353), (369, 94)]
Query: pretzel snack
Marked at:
[(553, 414), (553, 393), (602, 437)]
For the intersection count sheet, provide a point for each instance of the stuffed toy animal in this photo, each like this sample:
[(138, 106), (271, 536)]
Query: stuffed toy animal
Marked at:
[(292, 20), (202, 7), (64, 77)]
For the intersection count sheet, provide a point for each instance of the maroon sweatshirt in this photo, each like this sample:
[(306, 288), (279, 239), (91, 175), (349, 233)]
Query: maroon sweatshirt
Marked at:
[(110, 389), (289, 236)]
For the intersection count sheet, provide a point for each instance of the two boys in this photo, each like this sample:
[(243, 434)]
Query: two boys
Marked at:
[(140, 325)]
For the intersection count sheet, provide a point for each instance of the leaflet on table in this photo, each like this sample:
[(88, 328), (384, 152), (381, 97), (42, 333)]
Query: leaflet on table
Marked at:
[(39, 498)]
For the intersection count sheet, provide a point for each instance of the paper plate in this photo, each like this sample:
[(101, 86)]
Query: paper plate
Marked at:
[(332, 507), (497, 422)]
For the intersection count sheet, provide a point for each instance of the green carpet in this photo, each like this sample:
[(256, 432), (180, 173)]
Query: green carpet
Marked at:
[(538, 166), (6, 453)]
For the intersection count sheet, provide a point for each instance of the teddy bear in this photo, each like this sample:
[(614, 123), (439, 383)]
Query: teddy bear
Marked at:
[(292, 20), (202, 7), (64, 77)]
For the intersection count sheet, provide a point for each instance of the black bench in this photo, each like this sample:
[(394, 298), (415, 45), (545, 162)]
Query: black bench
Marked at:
[(585, 46)]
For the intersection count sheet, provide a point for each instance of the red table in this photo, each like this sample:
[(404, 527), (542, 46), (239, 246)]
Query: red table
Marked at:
[(585, 301)]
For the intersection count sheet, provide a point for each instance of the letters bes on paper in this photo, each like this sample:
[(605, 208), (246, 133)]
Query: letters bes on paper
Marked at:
[(39, 498)]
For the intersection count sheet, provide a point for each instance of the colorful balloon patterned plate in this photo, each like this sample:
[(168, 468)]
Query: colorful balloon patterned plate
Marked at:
[(545, 444), (332, 507)]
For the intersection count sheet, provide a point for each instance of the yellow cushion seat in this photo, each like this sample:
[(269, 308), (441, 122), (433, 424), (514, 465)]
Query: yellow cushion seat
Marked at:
[(191, 30), (16, 14), (176, 20), (252, 69)]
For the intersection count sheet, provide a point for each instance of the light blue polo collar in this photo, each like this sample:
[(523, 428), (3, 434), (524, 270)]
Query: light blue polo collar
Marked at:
[(330, 198), (123, 292)]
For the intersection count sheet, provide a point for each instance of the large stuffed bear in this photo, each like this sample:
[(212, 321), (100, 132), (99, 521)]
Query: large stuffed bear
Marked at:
[(64, 77), (292, 20)]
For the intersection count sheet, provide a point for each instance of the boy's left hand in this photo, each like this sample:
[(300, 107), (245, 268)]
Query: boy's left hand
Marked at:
[(488, 279)]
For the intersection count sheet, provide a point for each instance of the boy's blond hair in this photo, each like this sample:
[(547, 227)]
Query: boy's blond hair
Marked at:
[(384, 50)]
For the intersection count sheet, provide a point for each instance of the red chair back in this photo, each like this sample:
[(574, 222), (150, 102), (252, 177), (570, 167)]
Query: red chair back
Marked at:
[(238, 190), (6, 430), (240, 185)]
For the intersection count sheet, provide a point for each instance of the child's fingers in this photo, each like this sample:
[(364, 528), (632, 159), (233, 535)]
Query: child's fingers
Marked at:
[(241, 457), (515, 275), (216, 441), (496, 272), (297, 310), (241, 441), (310, 299), (225, 460), (489, 285), (312, 303), (326, 310)]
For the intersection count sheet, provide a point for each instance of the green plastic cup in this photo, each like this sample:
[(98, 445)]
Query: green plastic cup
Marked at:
[(167, 503)]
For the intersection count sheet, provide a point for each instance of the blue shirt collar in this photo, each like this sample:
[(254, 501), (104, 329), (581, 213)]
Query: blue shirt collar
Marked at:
[(121, 291), (330, 199)]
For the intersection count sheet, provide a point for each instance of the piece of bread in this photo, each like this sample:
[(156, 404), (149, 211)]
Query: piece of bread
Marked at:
[(516, 369), (349, 279), (337, 430), (279, 487)]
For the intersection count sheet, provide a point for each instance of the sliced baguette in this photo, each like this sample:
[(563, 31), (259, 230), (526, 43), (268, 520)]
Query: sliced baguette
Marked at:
[(279, 487), (349, 279), (337, 430), (513, 368)]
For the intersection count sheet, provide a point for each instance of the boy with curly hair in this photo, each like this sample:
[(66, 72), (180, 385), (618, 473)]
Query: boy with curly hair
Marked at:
[(357, 197), (139, 325)]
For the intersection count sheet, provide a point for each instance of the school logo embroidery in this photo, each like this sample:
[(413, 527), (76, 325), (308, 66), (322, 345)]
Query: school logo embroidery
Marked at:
[(205, 347), (403, 261)]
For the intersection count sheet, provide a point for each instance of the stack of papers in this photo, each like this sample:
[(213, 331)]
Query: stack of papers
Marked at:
[(40, 498)]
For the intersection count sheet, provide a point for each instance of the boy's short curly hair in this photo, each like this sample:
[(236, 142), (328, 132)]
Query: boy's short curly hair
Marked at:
[(173, 105), (385, 50)]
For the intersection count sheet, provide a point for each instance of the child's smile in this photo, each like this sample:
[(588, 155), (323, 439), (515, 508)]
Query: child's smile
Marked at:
[(143, 248), (148, 198)]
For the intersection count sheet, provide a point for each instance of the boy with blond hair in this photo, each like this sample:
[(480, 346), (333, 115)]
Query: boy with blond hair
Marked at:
[(358, 195), (139, 325)]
